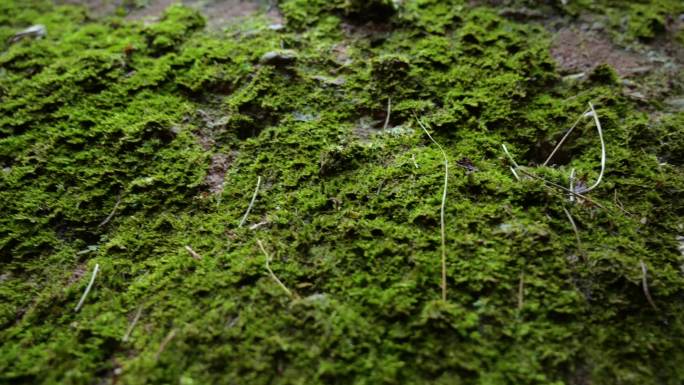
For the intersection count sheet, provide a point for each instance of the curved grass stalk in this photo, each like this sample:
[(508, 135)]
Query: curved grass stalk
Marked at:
[(444, 194)]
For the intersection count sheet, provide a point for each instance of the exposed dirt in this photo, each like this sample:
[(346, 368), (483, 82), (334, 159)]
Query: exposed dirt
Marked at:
[(77, 274), (217, 172), (580, 51), (218, 12), (97, 8)]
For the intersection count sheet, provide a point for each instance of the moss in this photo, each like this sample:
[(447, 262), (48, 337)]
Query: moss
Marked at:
[(115, 119)]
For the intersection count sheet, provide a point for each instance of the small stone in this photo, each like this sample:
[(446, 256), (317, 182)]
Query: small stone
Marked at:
[(279, 58), (598, 26), (676, 103), (338, 81), (35, 31), (176, 129)]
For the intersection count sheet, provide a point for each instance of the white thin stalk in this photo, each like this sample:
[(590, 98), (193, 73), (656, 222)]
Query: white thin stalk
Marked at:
[(193, 253), (132, 325), (644, 282), (389, 111), (603, 150), (111, 214), (442, 209), (515, 174), (251, 203), (510, 157), (90, 286), (560, 143), (574, 228), (572, 184), (271, 273)]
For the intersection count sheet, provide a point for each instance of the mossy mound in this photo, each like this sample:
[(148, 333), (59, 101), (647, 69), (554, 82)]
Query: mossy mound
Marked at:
[(127, 145)]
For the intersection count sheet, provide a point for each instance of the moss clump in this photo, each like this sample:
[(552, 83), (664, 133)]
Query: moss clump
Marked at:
[(114, 119)]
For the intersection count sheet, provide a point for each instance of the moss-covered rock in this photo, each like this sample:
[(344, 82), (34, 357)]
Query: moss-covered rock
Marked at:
[(113, 135)]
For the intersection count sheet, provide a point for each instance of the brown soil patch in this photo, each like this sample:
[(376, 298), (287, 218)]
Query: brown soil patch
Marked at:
[(578, 51), (77, 274), (217, 172), (96, 8), (217, 12)]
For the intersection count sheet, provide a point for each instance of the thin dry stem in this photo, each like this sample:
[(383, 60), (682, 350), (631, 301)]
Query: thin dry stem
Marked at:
[(251, 203), (556, 185), (560, 143), (603, 149), (165, 342), (444, 195), (510, 157), (257, 225), (521, 290), (515, 174), (111, 214), (574, 228), (271, 273), (589, 112), (572, 184), (193, 253), (389, 111), (90, 286), (644, 281), (132, 325)]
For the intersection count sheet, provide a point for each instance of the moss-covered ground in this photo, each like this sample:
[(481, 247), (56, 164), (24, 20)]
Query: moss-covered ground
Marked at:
[(123, 142)]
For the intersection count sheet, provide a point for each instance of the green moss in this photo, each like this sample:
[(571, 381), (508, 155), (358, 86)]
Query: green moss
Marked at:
[(114, 119)]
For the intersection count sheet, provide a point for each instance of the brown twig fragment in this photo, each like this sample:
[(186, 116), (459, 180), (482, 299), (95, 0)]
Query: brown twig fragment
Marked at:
[(644, 282)]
